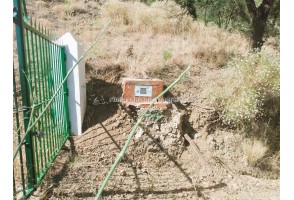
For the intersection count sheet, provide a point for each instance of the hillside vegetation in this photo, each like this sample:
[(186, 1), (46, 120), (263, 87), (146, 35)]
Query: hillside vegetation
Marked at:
[(234, 91), (158, 40)]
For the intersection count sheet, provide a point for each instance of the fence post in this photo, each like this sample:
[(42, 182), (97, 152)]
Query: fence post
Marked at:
[(76, 82), (65, 89), (18, 20)]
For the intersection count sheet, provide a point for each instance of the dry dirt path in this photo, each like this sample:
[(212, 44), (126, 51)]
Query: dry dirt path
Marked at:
[(152, 176)]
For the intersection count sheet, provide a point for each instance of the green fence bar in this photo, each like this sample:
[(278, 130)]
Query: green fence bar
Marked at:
[(43, 123), (46, 132), (65, 100), (24, 91), (43, 75), (18, 140), (48, 91), (54, 82), (38, 91), (42, 69), (33, 80)]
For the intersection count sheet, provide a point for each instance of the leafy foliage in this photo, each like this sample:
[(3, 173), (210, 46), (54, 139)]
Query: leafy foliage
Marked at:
[(189, 5), (229, 14), (226, 14), (154, 115), (249, 90)]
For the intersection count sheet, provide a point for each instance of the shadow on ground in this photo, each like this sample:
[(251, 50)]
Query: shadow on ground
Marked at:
[(99, 101)]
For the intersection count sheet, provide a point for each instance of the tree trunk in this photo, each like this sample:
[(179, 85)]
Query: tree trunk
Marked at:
[(258, 25), (205, 13), (259, 18)]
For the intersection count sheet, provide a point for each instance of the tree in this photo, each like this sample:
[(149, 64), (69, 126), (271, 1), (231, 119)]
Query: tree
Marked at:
[(227, 14), (189, 5), (259, 18)]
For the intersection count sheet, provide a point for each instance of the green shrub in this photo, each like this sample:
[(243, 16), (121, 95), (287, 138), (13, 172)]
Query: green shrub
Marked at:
[(167, 55), (249, 89), (154, 115)]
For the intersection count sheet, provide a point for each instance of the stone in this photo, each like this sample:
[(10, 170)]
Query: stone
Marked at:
[(164, 134), (174, 130), (139, 133)]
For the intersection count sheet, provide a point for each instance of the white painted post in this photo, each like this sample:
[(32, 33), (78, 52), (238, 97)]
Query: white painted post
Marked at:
[(76, 82)]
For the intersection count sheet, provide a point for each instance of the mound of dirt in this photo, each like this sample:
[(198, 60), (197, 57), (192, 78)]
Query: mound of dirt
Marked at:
[(155, 174), (159, 163)]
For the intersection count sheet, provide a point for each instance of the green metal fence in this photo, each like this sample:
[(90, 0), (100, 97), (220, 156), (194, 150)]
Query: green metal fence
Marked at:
[(36, 81)]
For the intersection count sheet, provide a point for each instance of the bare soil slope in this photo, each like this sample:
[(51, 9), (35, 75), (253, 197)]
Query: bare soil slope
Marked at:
[(83, 163), (77, 174)]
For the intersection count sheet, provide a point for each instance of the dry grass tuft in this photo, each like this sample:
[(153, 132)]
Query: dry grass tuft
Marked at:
[(160, 17), (93, 4), (45, 23), (40, 4), (69, 8), (254, 150), (74, 7), (275, 161), (77, 162), (59, 10), (148, 41), (151, 41)]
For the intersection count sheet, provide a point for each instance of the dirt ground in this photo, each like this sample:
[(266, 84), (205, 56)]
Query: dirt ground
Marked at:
[(85, 160), (77, 174)]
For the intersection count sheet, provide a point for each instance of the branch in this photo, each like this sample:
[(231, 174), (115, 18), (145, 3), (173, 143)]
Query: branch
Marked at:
[(264, 8), (251, 7)]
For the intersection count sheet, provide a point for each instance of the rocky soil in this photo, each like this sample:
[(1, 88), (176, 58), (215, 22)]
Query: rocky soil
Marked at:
[(153, 168), (160, 163)]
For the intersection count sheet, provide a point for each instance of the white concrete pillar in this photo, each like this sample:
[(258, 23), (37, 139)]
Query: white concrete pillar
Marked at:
[(76, 82)]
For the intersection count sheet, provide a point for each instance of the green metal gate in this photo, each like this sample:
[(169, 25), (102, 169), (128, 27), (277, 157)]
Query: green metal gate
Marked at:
[(40, 94)]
